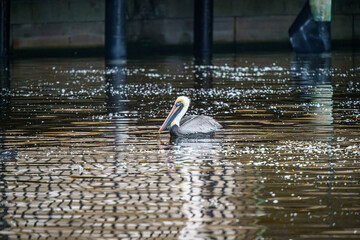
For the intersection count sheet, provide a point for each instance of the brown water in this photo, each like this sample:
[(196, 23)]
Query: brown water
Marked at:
[(81, 157)]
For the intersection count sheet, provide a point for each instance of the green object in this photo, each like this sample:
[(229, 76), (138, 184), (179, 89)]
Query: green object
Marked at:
[(321, 10)]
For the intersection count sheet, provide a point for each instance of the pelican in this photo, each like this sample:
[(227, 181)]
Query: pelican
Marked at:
[(189, 126)]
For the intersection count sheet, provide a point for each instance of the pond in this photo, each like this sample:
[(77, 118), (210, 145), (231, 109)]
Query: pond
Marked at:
[(81, 156)]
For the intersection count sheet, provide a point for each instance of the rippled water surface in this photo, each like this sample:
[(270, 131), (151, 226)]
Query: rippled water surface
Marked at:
[(81, 156)]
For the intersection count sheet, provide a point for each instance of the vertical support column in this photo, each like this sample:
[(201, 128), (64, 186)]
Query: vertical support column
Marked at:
[(4, 33), (203, 31), (310, 32), (321, 12), (115, 30)]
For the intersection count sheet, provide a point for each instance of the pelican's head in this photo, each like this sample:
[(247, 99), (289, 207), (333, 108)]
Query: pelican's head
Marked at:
[(177, 112)]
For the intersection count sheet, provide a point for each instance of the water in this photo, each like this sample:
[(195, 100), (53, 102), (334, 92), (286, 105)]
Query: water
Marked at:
[(81, 156)]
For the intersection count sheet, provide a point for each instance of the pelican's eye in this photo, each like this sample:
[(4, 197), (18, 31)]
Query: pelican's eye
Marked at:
[(178, 104)]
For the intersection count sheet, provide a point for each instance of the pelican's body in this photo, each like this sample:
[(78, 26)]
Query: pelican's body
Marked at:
[(189, 126)]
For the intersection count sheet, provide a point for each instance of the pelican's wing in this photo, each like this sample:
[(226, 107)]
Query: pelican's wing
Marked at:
[(198, 125), (186, 119)]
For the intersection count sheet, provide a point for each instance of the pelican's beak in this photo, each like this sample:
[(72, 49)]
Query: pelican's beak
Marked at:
[(173, 113)]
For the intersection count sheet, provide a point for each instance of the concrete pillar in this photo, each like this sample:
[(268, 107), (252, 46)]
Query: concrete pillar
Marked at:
[(115, 30), (310, 32), (203, 31), (4, 33)]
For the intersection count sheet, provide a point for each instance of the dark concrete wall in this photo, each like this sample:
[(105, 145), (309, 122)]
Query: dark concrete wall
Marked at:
[(80, 23)]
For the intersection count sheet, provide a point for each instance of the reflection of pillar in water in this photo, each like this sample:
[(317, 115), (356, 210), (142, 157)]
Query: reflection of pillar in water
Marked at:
[(313, 71), (116, 97), (4, 102), (4, 155), (116, 100), (203, 77)]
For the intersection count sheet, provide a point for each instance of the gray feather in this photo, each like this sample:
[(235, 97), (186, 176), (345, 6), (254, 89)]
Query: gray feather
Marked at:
[(198, 124)]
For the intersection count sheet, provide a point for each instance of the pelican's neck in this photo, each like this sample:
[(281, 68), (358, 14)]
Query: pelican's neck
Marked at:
[(177, 119)]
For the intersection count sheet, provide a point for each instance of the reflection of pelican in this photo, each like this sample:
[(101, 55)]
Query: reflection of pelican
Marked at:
[(189, 126)]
